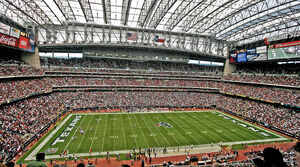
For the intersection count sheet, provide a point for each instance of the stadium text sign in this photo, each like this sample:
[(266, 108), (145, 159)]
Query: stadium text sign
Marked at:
[(67, 131), (246, 126), (7, 40)]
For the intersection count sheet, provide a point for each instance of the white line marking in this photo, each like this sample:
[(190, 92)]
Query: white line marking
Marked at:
[(84, 135), (123, 132), (74, 134), (95, 133), (31, 156), (104, 132)]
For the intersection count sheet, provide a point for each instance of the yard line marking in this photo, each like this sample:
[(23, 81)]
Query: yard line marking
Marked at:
[(143, 132), (193, 129), (115, 132), (84, 135), (123, 132), (104, 132), (216, 122), (239, 135), (132, 133), (74, 133), (98, 120), (159, 130), (178, 131), (212, 132)]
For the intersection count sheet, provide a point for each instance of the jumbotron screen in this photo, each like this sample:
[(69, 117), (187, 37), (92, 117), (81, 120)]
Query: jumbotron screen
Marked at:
[(288, 50)]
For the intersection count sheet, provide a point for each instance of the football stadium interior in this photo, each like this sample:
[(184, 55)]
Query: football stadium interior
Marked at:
[(149, 83)]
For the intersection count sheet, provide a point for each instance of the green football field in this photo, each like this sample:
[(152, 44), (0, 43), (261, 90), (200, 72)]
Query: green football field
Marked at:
[(82, 133)]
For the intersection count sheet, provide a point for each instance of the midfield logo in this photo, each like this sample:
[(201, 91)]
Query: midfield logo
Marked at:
[(163, 124)]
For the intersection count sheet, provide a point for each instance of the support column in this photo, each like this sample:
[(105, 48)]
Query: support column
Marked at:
[(228, 67), (32, 59)]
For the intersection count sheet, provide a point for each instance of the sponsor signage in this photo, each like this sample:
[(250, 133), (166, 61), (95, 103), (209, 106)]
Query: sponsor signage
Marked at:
[(14, 32), (261, 49), (242, 51), (24, 34), (7, 40), (287, 44), (246, 126), (242, 57), (251, 51), (62, 137), (23, 42), (233, 57), (4, 29), (31, 46)]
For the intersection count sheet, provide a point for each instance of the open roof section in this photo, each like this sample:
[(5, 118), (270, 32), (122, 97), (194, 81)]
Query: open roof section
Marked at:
[(232, 20)]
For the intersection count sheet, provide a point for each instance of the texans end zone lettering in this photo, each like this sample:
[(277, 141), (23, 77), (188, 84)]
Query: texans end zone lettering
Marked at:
[(246, 126), (67, 131), (163, 124)]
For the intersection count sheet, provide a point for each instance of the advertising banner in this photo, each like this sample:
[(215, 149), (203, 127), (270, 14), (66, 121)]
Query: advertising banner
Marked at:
[(261, 49), (260, 54), (24, 34), (251, 51), (31, 46), (23, 42), (14, 32), (287, 44), (233, 56), (242, 57), (7, 40), (4, 29)]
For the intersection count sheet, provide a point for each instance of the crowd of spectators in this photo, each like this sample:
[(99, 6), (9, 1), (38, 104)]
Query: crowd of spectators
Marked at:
[(269, 68), (27, 117), (12, 89), (127, 65), (19, 70), (269, 79), (21, 120), (286, 96)]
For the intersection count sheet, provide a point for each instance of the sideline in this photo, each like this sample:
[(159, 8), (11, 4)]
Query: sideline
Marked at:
[(31, 156), (204, 148)]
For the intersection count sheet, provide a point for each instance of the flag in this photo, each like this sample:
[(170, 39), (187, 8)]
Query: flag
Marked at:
[(91, 151), (132, 36), (157, 39)]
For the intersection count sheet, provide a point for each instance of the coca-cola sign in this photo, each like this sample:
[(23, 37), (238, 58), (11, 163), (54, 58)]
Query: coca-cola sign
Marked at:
[(7, 40)]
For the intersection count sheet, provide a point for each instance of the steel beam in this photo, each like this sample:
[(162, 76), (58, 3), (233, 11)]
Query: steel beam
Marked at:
[(183, 10), (125, 11), (248, 13), (268, 17), (209, 13), (106, 11), (65, 9), (87, 10), (146, 11), (160, 12)]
